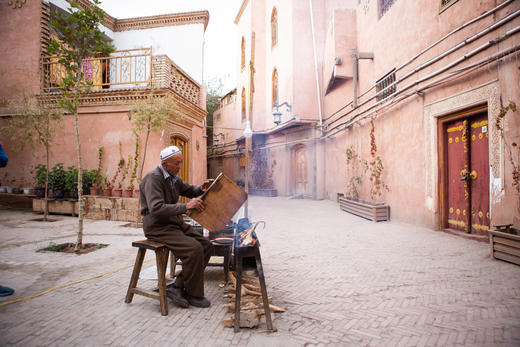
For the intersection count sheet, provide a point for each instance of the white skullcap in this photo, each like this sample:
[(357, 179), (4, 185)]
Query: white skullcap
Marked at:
[(169, 151)]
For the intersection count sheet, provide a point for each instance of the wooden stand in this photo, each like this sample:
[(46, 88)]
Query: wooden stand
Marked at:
[(241, 253)]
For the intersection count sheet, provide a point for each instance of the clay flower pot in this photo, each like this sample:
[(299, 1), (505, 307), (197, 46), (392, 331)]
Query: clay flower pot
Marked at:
[(107, 192), (94, 191), (117, 192), (127, 193)]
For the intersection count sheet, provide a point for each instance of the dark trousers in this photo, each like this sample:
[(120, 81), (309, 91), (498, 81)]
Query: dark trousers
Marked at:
[(193, 249)]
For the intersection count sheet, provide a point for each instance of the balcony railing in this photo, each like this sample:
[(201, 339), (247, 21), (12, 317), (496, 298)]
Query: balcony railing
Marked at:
[(122, 69), (132, 68)]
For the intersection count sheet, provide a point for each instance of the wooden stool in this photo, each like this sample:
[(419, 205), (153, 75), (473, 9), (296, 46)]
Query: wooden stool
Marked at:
[(161, 258)]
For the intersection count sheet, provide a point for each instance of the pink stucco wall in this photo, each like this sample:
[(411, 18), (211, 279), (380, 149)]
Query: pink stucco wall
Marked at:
[(102, 127), (400, 129), (19, 50), (405, 132)]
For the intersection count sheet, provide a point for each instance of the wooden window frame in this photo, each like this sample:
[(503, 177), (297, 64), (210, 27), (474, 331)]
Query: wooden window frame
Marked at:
[(384, 6), (243, 54), (444, 5), (274, 87), (274, 27), (243, 104)]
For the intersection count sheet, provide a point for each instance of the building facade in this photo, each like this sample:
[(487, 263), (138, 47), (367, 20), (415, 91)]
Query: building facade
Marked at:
[(148, 51), (390, 101)]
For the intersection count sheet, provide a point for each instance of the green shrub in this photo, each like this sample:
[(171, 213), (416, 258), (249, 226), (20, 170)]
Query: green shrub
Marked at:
[(57, 177), (71, 179), (40, 173)]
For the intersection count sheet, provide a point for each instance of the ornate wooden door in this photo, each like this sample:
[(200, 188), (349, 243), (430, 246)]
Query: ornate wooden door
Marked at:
[(300, 170), (479, 174), (466, 161), (183, 146)]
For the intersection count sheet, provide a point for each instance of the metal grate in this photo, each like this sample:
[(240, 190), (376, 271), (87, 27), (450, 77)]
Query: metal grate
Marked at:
[(383, 88)]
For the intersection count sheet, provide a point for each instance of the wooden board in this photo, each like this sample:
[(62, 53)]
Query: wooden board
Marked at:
[(222, 200)]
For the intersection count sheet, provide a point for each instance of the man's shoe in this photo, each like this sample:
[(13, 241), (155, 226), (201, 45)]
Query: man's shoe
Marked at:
[(197, 301), (175, 294)]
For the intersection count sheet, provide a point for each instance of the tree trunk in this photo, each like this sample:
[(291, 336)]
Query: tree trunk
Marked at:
[(79, 241), (144, 151), (45, 201)]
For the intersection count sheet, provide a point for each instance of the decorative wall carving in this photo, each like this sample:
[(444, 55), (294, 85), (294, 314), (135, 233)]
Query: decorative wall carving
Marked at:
[(16, 3), (168, 75), (115, 24)]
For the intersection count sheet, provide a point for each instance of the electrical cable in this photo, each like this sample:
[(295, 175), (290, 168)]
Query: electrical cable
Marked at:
[(69, 284)]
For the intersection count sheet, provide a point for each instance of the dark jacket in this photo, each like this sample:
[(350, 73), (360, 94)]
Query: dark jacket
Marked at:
[(159, 201), (3, 157)]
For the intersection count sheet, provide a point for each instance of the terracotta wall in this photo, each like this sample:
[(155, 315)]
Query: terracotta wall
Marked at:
[(102, 127), (19, 50)]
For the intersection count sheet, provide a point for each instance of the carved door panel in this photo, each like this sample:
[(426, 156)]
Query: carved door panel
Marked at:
[(458, 194), (300, 170), (479, 174), (467, 174)]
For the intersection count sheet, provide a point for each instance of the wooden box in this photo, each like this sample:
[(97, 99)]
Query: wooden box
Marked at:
[(505, 246), (222, 200), (365, 209)]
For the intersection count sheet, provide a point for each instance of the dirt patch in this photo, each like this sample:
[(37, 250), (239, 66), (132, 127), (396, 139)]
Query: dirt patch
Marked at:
[(43, 220), (132, 225), (69, 247)]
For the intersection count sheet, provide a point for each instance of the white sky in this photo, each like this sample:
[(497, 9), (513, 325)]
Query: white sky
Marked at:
[(220, 51)]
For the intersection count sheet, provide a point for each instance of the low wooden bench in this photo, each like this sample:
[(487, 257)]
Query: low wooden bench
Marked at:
[(161, 258)]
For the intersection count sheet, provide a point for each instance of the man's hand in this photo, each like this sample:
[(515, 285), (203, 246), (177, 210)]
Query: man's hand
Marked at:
[(195, 204), (206, 184)]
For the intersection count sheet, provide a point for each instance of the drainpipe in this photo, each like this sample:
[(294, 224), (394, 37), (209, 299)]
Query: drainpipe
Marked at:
[(318, 95)]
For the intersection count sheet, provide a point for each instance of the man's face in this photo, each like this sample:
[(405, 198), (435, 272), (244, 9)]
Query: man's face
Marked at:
[(173, 164)]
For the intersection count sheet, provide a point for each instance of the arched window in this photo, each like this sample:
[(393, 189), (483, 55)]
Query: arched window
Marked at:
[(243, 104), (275, 86), (243, 54), (274, 27)]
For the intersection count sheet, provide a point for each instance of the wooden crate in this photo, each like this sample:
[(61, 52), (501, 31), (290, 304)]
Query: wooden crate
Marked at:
[(505, 246), (56, 206), (365, 209)]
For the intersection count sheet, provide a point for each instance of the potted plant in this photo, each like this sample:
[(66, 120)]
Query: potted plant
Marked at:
[(126, 192), (71, 182), (40, 173), (7, 183), (28, 188), (133, 177), (87, 179), (97, 177), (106, 187), (117, 190), (57, 181), (357, 168)]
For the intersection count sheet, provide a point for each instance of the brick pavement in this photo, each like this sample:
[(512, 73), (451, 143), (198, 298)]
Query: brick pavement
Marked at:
[(342, 279)]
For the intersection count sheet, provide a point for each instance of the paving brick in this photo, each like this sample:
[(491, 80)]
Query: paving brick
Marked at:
[(363, 283)]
